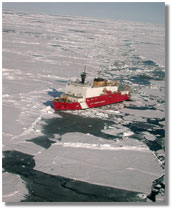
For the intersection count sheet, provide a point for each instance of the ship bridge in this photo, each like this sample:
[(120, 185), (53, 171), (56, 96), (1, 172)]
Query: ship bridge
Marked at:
[(87, 90)]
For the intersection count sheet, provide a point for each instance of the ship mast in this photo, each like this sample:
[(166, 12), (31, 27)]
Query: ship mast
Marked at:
[(83, 76)]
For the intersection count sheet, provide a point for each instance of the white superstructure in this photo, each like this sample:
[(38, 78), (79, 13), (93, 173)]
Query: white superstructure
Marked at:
[(87, 91)]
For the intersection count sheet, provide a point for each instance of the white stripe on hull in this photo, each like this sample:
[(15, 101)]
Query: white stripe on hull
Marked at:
[(84, 105)]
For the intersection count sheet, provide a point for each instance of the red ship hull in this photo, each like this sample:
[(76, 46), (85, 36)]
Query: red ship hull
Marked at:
[(66, 106), (92, 102)]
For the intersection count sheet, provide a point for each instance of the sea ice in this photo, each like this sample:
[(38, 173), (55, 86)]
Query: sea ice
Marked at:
[(128, 133), (103, 167), (40, 54), (14, 190), (149, 136), (145, 113)]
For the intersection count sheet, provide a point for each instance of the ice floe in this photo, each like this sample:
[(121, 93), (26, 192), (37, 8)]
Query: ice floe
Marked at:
[(101, 166)]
